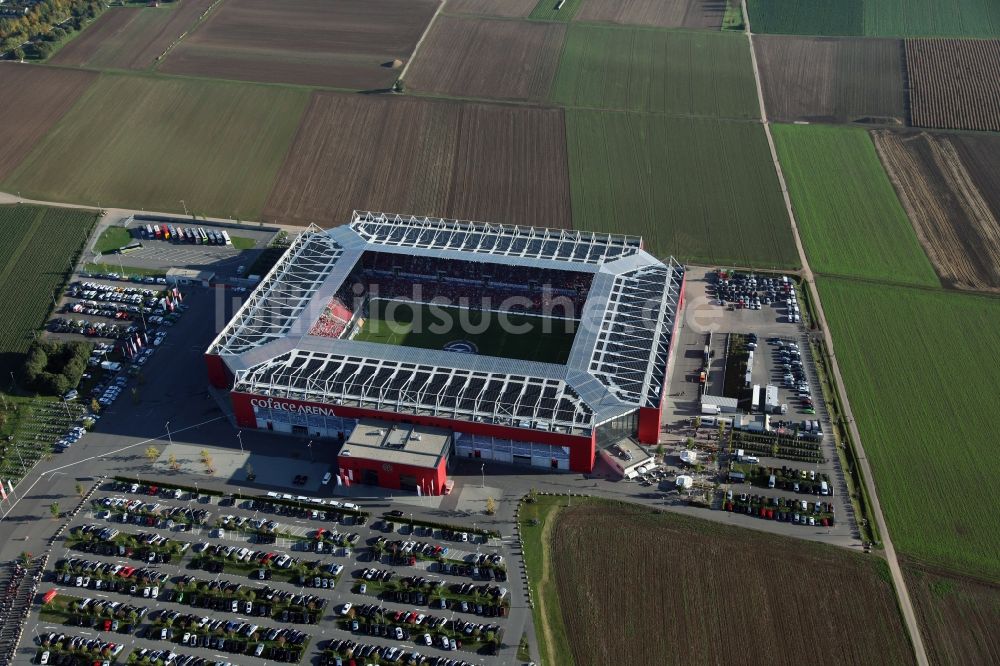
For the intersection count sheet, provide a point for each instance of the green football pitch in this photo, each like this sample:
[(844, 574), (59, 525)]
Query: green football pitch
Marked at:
[(525, 337)]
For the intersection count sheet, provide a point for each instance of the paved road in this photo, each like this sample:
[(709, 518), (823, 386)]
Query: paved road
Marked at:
[(902, 594)]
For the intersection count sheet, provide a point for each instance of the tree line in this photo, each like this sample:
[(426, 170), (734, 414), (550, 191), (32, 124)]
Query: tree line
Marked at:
[(45, 22)]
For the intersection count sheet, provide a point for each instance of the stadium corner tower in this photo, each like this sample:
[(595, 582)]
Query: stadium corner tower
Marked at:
[(301, 356)]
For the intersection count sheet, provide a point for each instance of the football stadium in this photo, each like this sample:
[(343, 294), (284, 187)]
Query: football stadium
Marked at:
[(411, 341)]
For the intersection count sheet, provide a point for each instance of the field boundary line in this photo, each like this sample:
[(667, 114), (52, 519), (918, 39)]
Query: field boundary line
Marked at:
[(899, 582), (545, 581), (416, 47)]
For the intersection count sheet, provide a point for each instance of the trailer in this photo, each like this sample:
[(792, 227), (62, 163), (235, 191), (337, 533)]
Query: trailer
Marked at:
[(755, 400)]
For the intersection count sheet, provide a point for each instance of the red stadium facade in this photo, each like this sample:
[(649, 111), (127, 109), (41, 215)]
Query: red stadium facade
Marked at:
[(292, 366)]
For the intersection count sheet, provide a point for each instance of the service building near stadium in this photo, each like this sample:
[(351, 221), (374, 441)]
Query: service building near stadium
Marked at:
[(320, 345)]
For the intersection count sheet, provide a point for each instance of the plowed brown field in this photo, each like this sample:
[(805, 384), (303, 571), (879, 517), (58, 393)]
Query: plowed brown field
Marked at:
[(957, 615), (311, 42), (953, 221), (488, 58), (507, 8), (409, 155), (661, 13), (955, 83), (981, 156), (84, 47), (832, 79), (637, 587), (34, 99)]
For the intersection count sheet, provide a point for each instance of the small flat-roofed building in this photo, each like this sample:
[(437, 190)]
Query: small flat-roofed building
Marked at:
[(400, 456)]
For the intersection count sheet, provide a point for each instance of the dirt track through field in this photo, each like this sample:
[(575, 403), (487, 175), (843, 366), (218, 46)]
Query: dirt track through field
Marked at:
[(954, 223)]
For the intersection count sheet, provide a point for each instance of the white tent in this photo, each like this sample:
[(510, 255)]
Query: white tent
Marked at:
[(684, 481), (689, 457)]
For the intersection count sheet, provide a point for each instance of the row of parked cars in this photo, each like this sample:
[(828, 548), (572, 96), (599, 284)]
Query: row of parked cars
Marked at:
[(341, 652), (59, 649)]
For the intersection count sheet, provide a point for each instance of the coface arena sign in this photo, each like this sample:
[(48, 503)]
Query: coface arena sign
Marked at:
[(287, 406)]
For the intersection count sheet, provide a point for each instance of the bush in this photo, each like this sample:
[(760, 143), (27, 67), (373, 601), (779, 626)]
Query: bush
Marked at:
[(52, 368)]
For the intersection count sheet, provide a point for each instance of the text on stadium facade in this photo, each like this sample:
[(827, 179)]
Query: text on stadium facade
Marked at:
[(271, 403)]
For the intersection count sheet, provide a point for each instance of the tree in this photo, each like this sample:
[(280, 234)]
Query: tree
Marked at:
[(152, 454), (79, 489), (19, 54), (54, 509), (659, 450), (491, 506), (95, 406), (697, 422), (172, 461)]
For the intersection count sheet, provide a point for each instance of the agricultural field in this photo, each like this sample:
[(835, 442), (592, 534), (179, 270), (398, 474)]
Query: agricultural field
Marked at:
[(109, 26), (876, 18), (849, 216), (35, 99), (474, 57), (980, 154), (920, 368), (700, 189), (216, 145), (957, 615), (602, 550), (954, 83), (132, 38), (37, 251), (642, 69), (953, 220), (410, 155), (351, 45), (705, 14), (832, 79), (504, 8), (546, 10)]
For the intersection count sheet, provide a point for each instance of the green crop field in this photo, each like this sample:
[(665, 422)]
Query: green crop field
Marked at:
[(697, 188), (149, 142), (37, 249), (881, 18), (921, 371), (518, 336), (546, 10), (849, 215), (645, 69)]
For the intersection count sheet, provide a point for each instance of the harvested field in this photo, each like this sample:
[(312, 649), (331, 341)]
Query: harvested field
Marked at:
[(344, 44), (850, 219), (641, 69), (35, 98), (488, 58), (505, 8), (953, 221), (148, 142), (698, 188), (954, 83), (981, 156), (411, 155), (82, 50), (919, 366), (656, 13), (818, 17), (957, 615), (832, 79), (591, 561)]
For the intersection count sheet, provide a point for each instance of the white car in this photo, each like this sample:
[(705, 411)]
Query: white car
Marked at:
[(327, 477), (345, 609)]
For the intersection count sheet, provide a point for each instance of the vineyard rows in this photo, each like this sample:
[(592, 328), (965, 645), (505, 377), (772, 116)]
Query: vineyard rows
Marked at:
[(954, 83), (37, 252)]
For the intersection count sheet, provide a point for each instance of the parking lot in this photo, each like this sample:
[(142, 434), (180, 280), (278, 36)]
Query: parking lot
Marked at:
[(149, 568), (782, 358)]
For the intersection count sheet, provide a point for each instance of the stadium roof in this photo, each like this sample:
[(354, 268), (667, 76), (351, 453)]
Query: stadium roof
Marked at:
[(617, 363)]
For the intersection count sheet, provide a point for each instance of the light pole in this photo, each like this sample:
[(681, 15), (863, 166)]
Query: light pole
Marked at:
[(170, 438), (239, 438), (309, 446), (483, 471)]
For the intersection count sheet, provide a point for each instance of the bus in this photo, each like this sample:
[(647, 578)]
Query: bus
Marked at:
[(225, 237), (130, 247), (149, 231), (157, 231), (204, 236)]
